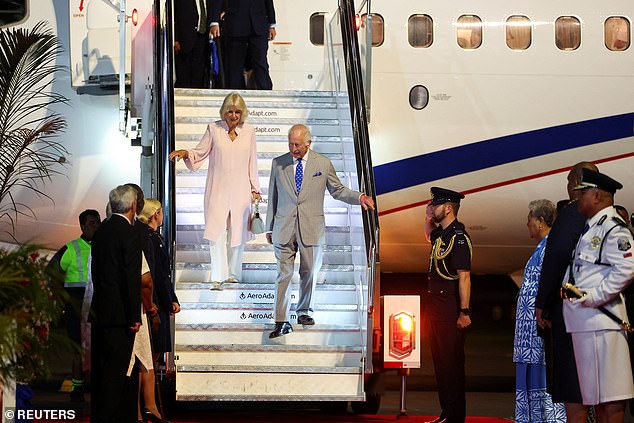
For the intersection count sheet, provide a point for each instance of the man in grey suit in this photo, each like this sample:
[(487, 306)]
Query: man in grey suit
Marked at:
[(295, 221)]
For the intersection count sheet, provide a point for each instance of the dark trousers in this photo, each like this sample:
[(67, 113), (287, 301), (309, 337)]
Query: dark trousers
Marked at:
[(113, 395), (251, 50), (447, 350), (564, 382), (190, 65)]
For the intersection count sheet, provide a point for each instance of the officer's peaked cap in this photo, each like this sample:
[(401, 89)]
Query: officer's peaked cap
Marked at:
[(442, 195), (592, 179)]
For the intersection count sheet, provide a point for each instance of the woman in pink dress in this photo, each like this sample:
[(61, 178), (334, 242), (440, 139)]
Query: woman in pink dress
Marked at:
[(232, 185)]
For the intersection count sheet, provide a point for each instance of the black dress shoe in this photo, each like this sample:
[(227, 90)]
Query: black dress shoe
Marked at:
[(305, 319), (148, 416), (439, 419), (281, 329)]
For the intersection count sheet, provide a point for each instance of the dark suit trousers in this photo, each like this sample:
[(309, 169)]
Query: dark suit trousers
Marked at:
[(253, 47), (447, 350), (565, 382), (114, 395), (190, 66)]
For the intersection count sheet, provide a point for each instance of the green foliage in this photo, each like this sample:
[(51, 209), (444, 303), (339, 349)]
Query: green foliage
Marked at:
[(29, 303), (29, 154)]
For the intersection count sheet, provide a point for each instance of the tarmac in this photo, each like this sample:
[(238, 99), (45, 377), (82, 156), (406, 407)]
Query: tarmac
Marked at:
[(418, 403)]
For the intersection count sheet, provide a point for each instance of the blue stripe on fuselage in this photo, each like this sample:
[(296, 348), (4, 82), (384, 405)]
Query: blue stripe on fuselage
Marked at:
[(498, 151)]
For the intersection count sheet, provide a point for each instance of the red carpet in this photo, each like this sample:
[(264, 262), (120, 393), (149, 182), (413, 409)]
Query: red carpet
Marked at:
[(284, 417)]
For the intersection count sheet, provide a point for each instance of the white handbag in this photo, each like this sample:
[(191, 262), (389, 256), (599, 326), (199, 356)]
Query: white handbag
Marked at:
[(257, 225)]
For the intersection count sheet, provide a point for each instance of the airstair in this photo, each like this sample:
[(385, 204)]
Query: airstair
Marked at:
[(222, 349)]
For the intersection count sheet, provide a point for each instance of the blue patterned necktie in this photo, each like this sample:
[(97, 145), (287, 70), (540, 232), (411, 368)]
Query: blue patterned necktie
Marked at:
[(299, 175)]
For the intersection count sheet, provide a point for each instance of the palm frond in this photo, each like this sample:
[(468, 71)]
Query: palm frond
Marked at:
[(29, 153)]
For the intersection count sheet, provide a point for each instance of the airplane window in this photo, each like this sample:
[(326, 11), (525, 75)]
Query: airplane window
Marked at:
[(12, 12), (420, 31), (378, 28), (418, 97), (518, 32), (617, 33), (567, 33), (316, 25), (469, 32)]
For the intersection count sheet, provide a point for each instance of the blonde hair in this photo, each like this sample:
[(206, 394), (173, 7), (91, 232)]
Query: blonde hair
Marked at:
[(151, 207), (236, 100)]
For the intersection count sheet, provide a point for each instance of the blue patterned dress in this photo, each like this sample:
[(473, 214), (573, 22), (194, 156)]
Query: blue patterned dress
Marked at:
[(532, 402)]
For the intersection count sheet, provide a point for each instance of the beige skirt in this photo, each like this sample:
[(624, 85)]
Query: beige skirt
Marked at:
[(603, 366), (142, 347)]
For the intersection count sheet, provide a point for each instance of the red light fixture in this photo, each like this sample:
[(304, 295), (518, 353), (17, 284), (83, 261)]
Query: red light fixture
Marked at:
[(402, 334), (357, 22), (135, 17)]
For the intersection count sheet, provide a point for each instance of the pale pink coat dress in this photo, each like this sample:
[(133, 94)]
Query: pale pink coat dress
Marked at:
[(231, 177)]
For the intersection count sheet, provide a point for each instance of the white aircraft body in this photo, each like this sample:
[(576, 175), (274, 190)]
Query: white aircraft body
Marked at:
[(501, 113)]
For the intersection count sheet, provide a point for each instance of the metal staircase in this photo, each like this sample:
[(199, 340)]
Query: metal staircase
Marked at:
[(221, 337)]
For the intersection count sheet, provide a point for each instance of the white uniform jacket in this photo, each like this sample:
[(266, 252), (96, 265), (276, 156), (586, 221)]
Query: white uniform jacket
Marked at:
[(601, 278)]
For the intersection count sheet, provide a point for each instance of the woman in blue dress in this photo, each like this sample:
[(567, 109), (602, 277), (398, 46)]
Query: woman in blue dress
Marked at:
[(532, 402)]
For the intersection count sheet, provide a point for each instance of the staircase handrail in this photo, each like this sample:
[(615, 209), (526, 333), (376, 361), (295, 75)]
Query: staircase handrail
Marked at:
[(366, 6), (361, 138), (359, 123), (165, 140)]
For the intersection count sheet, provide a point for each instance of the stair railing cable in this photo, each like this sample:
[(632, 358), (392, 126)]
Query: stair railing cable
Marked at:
[(361, 138)]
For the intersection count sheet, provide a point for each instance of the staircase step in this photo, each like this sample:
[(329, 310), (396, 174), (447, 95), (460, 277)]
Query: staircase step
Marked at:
[(283, 138), (260, 253), (265, 272), (264, 160), (282, 96), (260, 110), (263, 313), (184, 173), (241, 293), (327, 356), (268, 369), (194, 234), (319, 128), (269, 386), (258, 334), (198, 218), (260, 292)]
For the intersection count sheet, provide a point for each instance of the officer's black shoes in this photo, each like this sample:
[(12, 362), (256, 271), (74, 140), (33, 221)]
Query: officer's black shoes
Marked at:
[(281, 329), (305, 319), (439, 419)]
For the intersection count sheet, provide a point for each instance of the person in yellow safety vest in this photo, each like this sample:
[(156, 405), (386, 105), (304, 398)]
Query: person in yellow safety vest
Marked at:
[(72, 260)]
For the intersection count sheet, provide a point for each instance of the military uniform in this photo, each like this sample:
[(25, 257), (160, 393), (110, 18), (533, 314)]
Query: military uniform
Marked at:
[(602, 266), (450, 252)]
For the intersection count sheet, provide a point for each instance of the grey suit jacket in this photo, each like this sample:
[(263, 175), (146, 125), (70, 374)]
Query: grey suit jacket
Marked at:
[(285, 207)]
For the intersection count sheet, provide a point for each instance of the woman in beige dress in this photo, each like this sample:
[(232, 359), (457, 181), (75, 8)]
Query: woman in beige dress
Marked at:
[(232, 185)]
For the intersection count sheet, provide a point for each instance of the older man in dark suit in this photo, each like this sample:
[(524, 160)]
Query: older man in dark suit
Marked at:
[(115, 310), (191, 18), (563, 237), (248, 27)]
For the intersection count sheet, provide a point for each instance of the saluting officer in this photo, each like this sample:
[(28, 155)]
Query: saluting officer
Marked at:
[(446, 300), (602, 266)]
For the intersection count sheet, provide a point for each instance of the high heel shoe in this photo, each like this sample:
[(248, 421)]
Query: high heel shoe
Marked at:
[(148, 416)]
